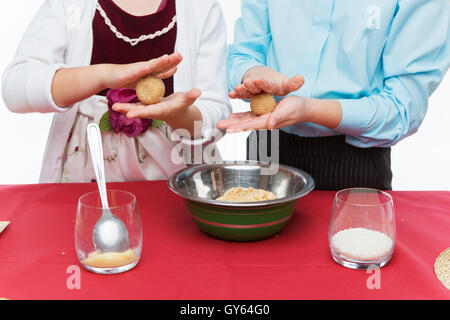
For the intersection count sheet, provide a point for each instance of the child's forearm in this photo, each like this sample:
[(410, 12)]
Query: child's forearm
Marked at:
[(327, 113), (73, 85), (187, 120)]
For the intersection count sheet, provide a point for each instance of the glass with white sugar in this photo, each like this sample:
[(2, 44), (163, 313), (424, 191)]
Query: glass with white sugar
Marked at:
[(362, 228)]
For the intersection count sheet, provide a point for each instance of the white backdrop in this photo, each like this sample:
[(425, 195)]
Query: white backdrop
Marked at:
[(420, 162)]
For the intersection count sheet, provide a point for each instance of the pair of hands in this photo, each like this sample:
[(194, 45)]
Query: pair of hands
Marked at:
[(263, 79), (259, 79), (127, 76)]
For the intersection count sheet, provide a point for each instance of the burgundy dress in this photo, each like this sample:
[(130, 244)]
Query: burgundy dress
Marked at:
[(107, 48)]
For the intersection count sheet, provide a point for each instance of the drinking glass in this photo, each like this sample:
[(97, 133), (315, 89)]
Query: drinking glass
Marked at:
[(362, 228), (123, 205)]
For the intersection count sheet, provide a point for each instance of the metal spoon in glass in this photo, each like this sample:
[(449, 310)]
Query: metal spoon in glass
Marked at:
[(110, 233)]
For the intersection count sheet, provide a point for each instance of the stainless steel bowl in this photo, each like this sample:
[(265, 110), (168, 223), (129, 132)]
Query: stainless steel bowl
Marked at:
[(240, 221), (205, 183)]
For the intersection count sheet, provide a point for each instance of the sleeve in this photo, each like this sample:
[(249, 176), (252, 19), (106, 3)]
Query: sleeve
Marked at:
[(211, 72), (27, 81), (415, 59), (252, 38)]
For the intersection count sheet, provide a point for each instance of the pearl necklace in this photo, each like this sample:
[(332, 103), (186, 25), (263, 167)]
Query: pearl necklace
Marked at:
[(135, 41)]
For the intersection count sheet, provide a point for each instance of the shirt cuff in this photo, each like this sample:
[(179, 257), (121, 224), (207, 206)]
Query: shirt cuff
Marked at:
[(354, 117), (238, 73), (39, 89)]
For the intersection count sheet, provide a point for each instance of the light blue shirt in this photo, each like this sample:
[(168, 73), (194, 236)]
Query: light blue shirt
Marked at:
[(381, 59)]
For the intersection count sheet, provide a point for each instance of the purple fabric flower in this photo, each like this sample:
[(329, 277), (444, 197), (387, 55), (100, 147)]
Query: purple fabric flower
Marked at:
[(119, 121)]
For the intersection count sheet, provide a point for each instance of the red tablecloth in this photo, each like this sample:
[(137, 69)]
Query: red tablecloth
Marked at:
[(180, 262)]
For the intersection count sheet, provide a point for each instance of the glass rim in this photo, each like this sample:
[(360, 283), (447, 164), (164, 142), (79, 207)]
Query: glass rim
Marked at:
[(100, 208), (389, 197)]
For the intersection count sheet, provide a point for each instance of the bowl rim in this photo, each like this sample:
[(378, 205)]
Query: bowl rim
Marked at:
[(309, 185)]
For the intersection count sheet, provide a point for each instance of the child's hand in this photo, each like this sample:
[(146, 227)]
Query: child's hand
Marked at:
[(263, 79), (171, 107), (289, 111), (118, 76)]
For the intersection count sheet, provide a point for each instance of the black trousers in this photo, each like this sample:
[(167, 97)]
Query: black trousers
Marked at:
[(333, 163)]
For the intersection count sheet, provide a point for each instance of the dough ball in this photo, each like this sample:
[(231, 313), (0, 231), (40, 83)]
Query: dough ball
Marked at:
[(262, 103), (150, 90)]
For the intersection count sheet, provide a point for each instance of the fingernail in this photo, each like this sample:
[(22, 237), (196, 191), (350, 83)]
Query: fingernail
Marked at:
[(273, 123)]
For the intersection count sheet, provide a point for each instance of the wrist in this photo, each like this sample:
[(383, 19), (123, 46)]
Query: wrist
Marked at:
[(102, 76), (324, 112), (307, 110), (186, 119), (177, 116)]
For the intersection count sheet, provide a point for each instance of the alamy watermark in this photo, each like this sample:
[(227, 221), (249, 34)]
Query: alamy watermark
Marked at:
[(374, 17), (73, 282), (195, 151), (374, 281)]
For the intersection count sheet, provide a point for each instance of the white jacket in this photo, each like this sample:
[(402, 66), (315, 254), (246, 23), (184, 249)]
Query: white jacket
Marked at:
[(61, 36)]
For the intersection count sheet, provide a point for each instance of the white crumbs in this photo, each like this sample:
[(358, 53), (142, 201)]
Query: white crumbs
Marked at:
[(362, 243)]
